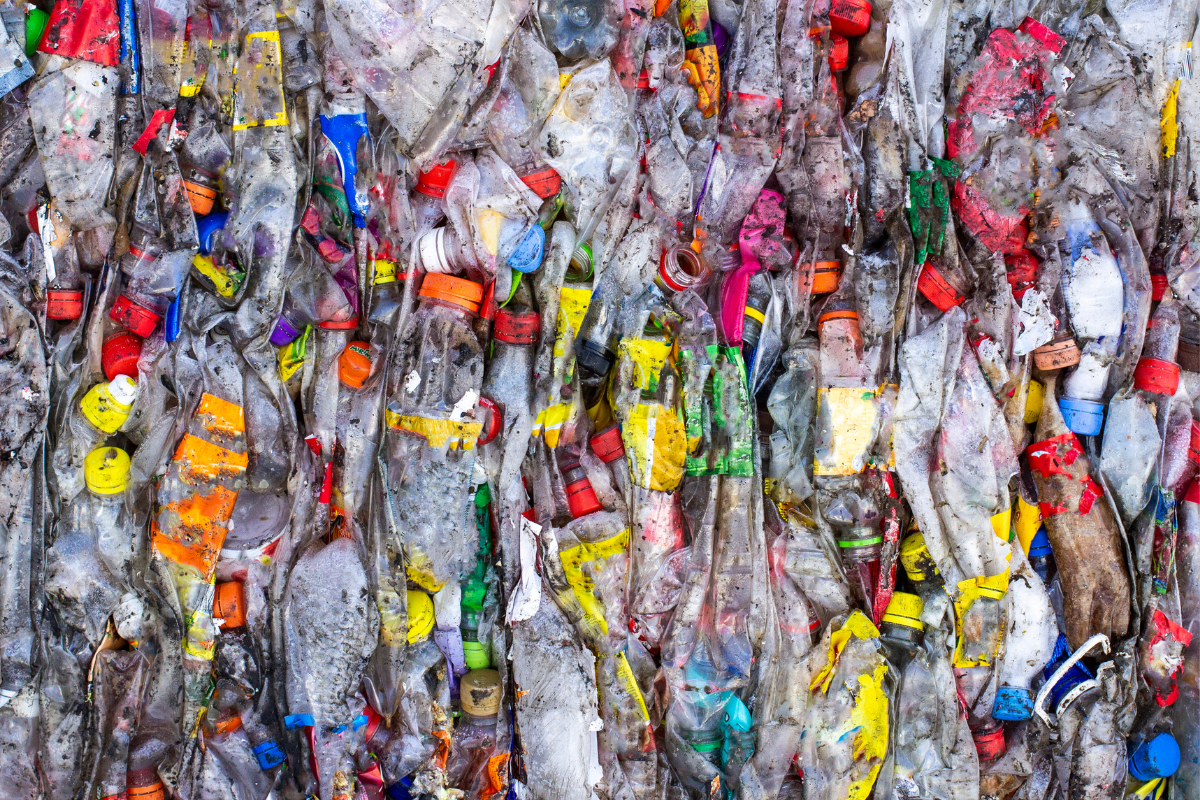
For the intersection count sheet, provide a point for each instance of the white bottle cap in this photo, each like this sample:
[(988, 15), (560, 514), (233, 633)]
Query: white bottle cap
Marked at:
[(123, 389), (432, 247)]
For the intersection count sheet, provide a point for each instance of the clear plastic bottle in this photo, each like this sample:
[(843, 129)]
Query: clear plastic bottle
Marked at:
[(901, 630), (139, 308), (428, 200), (508, 381), (1156, 371), (1028, 643), (579, 29)]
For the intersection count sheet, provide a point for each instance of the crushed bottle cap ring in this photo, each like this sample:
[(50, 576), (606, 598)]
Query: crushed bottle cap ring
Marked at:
[(480, 692), (1156, 376), (354, 364), (459, 292), (134, 316), (517, 327), (229, 604), (106, 471), (120, 354), (64, 304)]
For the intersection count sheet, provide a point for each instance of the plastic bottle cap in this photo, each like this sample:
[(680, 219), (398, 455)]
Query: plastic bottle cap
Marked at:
[(107, 405), (64, 304), (476, 655), (850, 17), (1158, 285), (1157, 758), (1193, 492), (915, 558), (1040, 546), (119, 355), (607, 444), (339, 324), (207, 227), (134, 316), (106, 471), (229, 604), (35, 24), (420, 615), (905, 609), (1156, 376), (826, 276), (517, 327), (385, 271), (1012, 704), (546, 183), (1033, 402), (144, 784), (836, 314), (354, 364), (937, 288), (527, 256), (643, 81), (1083, 417), (1056, 354), (839, 52), (284, 333), (1021, 267), (990, 745), (433, 183), (449, 289), (480, 692), (581, 498), (201, 196)]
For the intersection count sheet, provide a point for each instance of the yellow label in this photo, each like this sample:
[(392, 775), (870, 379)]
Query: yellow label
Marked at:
[(1002, 524), (438, 433), (220, 279), (1029, 519), (1169, 125), (572, 307), (292, 356), (656, 445), (625, 673), (573, 559), (869, 721), (850, 415), (857, 625), (648, 357), (261, 89), (991, 588), (549, 423)]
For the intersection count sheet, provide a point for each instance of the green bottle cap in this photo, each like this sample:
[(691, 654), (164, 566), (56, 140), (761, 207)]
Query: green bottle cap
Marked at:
[(35, 23)]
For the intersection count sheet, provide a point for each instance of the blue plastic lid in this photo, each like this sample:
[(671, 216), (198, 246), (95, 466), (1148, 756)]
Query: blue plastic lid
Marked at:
[(1013, 704), (207, 227), (1157, 758), (1039, 547), (1084, 417), (528, 255)]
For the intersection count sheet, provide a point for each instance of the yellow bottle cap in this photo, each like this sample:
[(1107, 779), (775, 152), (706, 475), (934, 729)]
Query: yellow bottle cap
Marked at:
[(476, 655), (916, 560), (1033, 402), (905, 609), (420, 616), (385, 271), (107, 405), (106, 471), (480, 692)]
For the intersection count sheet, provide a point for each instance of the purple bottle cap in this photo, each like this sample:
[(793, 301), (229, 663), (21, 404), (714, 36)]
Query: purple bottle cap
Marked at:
[(284, 333)]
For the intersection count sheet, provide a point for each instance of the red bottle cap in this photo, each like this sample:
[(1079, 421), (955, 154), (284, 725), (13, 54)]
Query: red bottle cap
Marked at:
[(937, 289), (1156, 376), (839, 52), (119, 355), (1193, 493), (545, 183), (1158, 285), (990, 745), (1022, 267), (134, 316), (339, 325), (581, 499), (517, 327), (607, 444), (64, 304), (643, 81), (434, 182), (850, 17)]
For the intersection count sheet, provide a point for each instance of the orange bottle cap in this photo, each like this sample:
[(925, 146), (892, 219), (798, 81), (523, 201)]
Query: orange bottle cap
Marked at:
[(229, 604), (354, 364), (449, 289)]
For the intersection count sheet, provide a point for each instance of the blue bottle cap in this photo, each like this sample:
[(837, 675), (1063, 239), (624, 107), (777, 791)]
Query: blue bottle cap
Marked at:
[(528, 255), (269, 755), (1084, 417), (1039, 547), (1013, 704), (1157, 758), (207, 227)]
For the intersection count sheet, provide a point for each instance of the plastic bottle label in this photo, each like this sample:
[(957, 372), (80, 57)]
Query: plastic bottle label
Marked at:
[(573, 559), (656, 445), (438, 433), (259, 76), (847, 419)]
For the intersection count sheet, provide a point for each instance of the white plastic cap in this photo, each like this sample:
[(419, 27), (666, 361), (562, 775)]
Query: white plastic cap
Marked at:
[(432, 247), (123, 389)]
